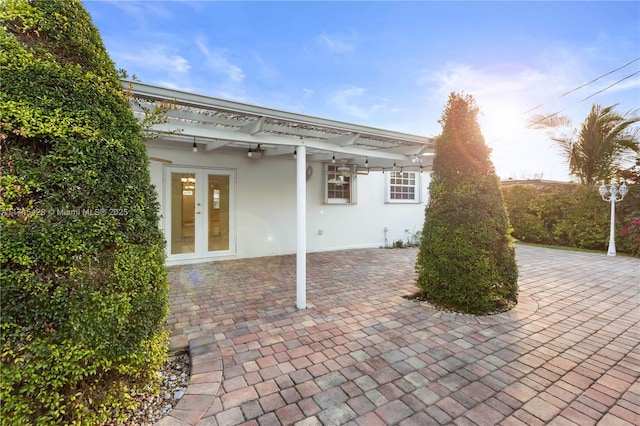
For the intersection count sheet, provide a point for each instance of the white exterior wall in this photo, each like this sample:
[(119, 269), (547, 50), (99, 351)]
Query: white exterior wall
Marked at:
[(265, 205)]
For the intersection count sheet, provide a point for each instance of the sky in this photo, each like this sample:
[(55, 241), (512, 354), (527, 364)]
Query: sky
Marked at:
[(392, 65)]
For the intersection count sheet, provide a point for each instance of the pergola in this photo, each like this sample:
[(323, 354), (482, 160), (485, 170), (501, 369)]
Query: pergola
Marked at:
[(199, 122)]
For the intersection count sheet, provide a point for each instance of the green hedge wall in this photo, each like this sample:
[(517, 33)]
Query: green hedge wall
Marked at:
[(83, 283), (573, 215)]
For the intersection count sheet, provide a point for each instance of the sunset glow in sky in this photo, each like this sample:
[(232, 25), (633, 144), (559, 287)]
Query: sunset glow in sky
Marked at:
[(392, 65)]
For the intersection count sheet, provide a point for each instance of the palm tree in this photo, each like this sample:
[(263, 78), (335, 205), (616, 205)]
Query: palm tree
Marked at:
[(605, 142)]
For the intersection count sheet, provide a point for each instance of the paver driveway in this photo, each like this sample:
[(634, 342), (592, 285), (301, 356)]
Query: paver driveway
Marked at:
[(362, 354)]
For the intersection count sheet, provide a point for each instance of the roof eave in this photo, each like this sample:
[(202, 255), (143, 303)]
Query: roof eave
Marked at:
[(157, 93)]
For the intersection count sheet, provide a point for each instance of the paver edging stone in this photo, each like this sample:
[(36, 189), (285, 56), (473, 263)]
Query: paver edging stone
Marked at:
[(206, 362), (525, 307)]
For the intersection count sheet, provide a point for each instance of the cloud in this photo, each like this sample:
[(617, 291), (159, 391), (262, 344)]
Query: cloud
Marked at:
[(216, 59), (142, 12), (153, 57), (355, 102), (336, 43), (265, 71), (504, 93), (500, 81)]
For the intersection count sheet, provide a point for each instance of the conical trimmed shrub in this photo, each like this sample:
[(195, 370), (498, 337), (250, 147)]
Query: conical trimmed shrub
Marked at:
[(84, 289), (466, 261)]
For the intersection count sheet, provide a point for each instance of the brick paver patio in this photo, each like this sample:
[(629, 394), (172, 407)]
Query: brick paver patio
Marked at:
[(361, 354)]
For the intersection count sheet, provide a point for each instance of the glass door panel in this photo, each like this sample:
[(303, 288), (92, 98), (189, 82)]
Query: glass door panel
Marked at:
[(183, 223), (218, 224), (199, 213)]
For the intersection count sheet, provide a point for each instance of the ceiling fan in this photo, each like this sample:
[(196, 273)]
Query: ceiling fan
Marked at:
[(347, 170), (343, 171)]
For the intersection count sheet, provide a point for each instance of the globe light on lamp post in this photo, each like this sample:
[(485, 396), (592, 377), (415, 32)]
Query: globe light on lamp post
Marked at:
[(611, 193)]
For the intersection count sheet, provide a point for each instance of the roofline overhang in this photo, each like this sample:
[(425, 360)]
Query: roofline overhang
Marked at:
[(261, 139), (194, 118), (158, 93)]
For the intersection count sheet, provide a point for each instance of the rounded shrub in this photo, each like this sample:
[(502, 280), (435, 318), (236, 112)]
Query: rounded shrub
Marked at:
[(84, 294), (584, 220), (525, 214), (466, 261)]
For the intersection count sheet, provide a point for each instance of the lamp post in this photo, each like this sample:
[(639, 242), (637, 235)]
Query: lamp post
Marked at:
[(611, 193)]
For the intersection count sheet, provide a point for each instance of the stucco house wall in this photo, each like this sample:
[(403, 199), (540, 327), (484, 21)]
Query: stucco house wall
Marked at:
[(265, 205)]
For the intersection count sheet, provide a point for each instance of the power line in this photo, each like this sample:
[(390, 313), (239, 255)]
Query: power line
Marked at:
[(610, 86), (548, 116), (598, 78), (532, 109), (530, 125), (590, 82)]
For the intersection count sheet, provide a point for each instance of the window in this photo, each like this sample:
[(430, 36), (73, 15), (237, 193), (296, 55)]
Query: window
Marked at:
[(340, 184), (403, 187)]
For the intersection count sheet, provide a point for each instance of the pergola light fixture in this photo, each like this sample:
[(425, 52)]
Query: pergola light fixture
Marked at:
[(255, 153)]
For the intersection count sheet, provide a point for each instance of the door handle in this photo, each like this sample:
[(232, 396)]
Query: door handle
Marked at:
[(198, 212)]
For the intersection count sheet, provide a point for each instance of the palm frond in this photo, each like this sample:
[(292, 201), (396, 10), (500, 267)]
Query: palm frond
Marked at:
[(605, 141), (552, 120)]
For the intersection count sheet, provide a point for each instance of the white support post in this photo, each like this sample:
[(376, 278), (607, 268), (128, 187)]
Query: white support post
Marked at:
[(301, 227)]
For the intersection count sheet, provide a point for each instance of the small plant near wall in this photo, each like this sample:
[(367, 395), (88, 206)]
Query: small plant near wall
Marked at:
[(413, 238), (398, 244)]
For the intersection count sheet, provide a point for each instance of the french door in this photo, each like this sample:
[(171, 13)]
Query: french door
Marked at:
[(199, 213)]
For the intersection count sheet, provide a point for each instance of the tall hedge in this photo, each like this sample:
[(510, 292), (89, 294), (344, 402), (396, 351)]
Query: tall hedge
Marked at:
[(466, 259), (83, 283), (573, 215)]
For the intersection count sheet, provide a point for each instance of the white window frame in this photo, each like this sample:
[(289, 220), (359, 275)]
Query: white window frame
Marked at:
[(393, 188), (330, 174)]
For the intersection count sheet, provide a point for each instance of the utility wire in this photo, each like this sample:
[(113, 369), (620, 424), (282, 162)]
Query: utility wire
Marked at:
[(588, 83), (598, 78), (532, 109), (546, 117), (610, 86)]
